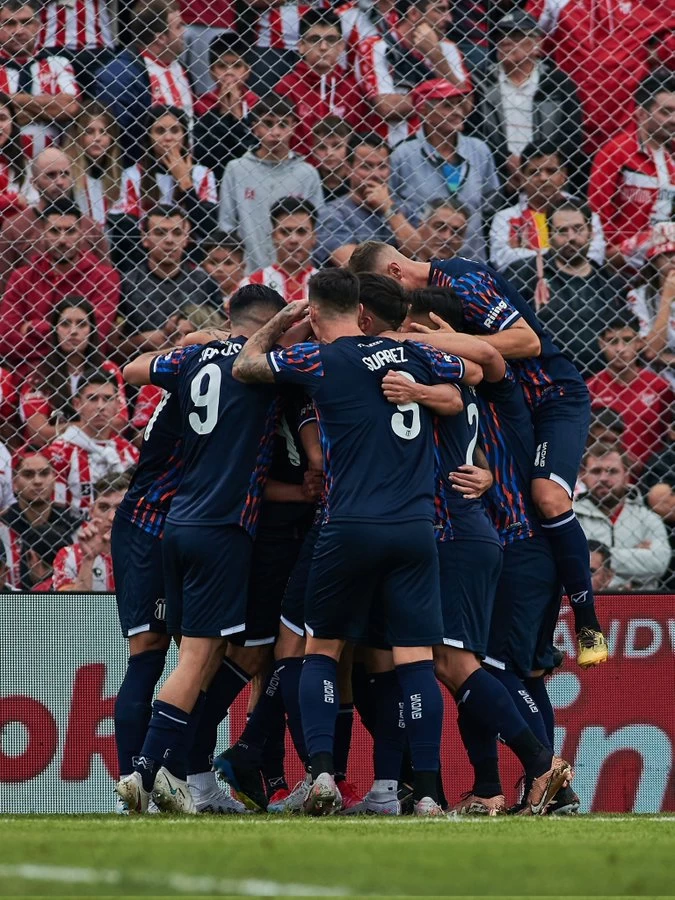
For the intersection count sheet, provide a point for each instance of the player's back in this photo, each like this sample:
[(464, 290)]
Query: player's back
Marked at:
[(227, 435)]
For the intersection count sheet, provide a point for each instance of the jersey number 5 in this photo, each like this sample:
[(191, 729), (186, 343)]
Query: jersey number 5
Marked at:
[(206, 399), (398, 421)]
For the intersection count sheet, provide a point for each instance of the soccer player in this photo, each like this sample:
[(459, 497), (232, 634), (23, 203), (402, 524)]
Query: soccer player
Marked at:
[(557, 397), (227, 433), (377, 531)]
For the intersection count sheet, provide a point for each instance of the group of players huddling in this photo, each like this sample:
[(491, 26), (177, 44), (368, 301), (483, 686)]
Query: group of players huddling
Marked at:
[(352, 500)]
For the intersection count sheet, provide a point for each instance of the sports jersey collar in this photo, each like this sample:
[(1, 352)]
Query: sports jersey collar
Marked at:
[(435, 158)]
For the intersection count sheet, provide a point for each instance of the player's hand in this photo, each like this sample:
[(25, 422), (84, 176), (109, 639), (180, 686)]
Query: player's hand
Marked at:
[(419, 328), (297, 334), (399, 390), (293, 323), (203, 337), (471, 481), (312, 486), (441, 324)]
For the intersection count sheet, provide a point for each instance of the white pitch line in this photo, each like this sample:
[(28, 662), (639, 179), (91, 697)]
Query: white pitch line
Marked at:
[(181, 883)]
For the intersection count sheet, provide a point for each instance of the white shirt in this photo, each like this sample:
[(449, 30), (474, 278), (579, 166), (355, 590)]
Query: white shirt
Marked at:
[(517, 106)]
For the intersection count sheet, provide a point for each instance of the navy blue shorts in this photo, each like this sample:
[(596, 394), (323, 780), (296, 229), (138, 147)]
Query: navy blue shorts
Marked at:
[(527, 587), (139, 578), (293, 603), (469, 571), (206, 572), (560, 431), (358, 563), (275, 551)]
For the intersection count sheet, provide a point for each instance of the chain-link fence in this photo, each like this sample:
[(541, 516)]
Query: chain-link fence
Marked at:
[(154, 156)]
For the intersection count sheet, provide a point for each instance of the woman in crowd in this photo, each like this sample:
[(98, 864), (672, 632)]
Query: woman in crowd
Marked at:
[(653, 301), (93, 148), (12, 160), (45, 402)]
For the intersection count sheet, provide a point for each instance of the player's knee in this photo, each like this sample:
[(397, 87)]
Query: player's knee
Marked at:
[(148, 640), (550, 498), (453, 666), (252, 660), (289, 644)]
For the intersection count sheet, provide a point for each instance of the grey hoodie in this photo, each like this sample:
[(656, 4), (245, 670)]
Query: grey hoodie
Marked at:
[(250, 188)]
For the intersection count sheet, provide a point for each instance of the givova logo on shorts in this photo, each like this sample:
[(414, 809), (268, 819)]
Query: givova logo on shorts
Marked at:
[(540, 455)]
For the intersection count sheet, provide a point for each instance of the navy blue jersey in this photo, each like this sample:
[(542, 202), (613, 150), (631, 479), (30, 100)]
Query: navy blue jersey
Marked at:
[(158, 473), (507, 438), (455, 440), (378, 458), (490, 304), (228, 429)]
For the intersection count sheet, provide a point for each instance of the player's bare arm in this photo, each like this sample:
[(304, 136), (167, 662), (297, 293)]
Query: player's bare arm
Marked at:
[(470, 347), (251, 364), (473, 480), (137, 371), (516, 341), (443, 399)]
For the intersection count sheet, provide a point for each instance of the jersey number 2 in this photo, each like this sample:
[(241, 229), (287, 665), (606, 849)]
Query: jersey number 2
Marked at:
[(205, 399), (472, 418), (398, 420)]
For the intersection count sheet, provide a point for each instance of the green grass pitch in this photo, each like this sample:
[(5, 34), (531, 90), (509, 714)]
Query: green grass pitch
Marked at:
[(590, 856)]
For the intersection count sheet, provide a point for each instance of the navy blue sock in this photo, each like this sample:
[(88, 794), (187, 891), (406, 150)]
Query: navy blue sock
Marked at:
[(423, 716), (274, 751), (531, 746), (343, 739), (481, 748), (319, 701), (362, 694), (538, 692), (267, 710), (389, 738), (572, 559), (490, 705), (289, 670), (133, 705), (165, 743), (225, 687)]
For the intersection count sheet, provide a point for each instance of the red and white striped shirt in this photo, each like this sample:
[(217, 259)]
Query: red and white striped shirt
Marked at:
[(11, 541), (67, 565), (357, 26), (77, 470), (76, 24), (279, 26), (131, 200), (51, 75), (169, 85), (291, 287), (91, 199), (8, 394)]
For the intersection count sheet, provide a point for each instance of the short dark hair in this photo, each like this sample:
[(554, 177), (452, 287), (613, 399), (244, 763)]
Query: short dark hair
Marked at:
[(289, 206), (253, 296), (437, 203), (335, 290), (619, 319), (599, 449), (323, 17), (228, 43), (111, 484), (534, 150), (64, 206), (607, 418), (365, 139), (150, 19), (365, 255), (602, 549), (442, 301), (16, 5), (165, 211), (276, 106), (222, 240), (331, 125), (571, 205), (91, 377), (384, 297), (657, 82)]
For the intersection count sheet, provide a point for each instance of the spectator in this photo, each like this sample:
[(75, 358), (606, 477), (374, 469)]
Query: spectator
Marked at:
[(80, 30), (652, 301), (442, 162), (442, 230), (523, 100), (5, 575), (318, 86), (601, 566), (166, 174), (51, 180), (90, 450), (6, 495), (86, 565), (12, 160), (253, 184), (361, 19), (294, 237), (34, 527), (632, 184), (222, 129), (388, 69), (205, 21), (43, 87), (605, 49), (46, 398), (9, 404), (607, 428), (368, 213), (154, 293), (658, 485), (642, 398), (93, 150), (613, 513), (330, 146), (519, 231), (146, 74), (61, 270), (575, 295), (224, 262)]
